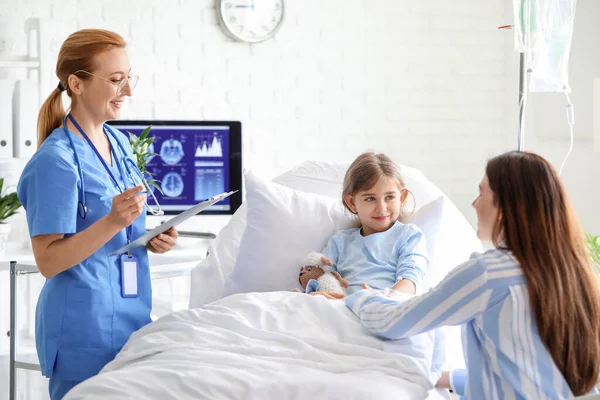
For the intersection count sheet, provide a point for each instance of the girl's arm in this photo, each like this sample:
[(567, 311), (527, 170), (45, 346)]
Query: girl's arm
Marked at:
[(412, 262), (460, 297), (331, 251)]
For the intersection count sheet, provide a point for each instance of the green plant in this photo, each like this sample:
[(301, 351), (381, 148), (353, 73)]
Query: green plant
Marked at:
[(9, 202), (140, 145), (593, 245)]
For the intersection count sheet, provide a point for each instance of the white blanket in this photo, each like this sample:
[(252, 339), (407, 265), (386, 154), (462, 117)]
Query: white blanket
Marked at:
[(276, 345)]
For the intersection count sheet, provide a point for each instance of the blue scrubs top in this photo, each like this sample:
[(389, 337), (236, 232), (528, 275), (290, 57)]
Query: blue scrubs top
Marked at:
[(82, 320)]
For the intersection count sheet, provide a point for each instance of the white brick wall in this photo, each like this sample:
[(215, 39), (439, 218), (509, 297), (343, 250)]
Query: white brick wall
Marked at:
[(430, 82), (423, 81)]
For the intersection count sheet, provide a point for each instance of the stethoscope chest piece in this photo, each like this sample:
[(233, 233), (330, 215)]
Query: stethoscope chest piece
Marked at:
[(82, 210)]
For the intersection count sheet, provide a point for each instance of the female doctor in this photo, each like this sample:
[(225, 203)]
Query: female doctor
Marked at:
[(82, 195)]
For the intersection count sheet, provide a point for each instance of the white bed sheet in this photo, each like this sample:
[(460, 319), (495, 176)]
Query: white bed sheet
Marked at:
[(275, 345)]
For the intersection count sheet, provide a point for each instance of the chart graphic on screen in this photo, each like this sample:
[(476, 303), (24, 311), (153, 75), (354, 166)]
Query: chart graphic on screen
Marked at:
[(209, 147), (210, 179)]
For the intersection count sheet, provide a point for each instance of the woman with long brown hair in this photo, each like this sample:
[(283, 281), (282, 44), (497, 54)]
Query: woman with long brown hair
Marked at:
[(82, 194), (530, 307)]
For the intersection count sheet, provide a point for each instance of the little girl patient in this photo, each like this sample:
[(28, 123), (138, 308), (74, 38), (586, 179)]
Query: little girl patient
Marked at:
[(383, 252)]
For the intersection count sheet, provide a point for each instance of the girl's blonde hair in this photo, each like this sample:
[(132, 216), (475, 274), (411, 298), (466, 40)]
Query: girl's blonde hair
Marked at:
[(76, 55), (366, 170)]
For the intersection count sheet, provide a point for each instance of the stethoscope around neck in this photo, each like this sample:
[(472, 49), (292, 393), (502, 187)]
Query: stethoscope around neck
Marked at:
[(81, 205)]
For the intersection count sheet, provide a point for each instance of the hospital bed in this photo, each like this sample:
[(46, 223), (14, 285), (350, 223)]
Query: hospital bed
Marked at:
[(246, 335)]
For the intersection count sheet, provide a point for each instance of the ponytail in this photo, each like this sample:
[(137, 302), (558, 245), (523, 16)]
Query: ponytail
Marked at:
[(50, 116)]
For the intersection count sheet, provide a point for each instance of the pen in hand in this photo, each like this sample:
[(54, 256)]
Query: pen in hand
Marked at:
[(110, 197)]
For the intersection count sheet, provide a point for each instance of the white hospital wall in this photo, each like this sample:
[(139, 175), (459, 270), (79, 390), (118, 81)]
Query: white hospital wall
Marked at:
[(547, 130), (421, 80)]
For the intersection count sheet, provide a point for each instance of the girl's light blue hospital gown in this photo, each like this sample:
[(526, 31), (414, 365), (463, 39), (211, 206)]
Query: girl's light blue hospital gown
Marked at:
[(82, 321), (379, 259)]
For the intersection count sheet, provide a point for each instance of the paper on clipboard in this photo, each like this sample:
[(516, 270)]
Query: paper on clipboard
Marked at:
[(190, 212)]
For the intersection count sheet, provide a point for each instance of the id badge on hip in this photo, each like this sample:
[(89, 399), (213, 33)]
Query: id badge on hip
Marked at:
[(129, 276)]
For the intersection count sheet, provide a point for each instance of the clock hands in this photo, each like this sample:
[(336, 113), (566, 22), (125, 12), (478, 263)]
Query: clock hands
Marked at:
[(251, 5)]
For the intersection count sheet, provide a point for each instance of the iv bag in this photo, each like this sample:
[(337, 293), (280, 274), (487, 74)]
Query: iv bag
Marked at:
[(544, 31)]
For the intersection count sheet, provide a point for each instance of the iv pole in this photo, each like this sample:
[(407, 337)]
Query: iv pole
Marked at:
[(522, 96), (522, 100)]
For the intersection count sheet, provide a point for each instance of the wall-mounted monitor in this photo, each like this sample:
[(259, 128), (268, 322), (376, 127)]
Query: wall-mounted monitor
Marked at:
[(194, 160)]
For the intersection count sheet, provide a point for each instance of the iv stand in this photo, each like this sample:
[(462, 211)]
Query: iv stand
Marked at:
[(522, 101), (522, 96)]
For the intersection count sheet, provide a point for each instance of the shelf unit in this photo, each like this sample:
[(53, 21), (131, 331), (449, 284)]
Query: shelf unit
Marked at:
[(19, 62), (32, 60)]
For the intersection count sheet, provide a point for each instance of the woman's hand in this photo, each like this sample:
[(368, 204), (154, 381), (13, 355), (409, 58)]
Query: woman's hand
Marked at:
[(405, 286), (163, 242), (126, 207), (444, 381), (329, 295)]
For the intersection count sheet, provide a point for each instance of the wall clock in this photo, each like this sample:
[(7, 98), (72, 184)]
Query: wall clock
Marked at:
[(250, 21)]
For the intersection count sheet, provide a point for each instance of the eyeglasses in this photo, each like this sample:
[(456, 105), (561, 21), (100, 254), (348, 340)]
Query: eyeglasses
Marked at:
[(119, 83)]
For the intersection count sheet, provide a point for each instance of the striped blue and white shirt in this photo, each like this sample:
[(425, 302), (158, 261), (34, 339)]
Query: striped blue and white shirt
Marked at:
[(504, 355)]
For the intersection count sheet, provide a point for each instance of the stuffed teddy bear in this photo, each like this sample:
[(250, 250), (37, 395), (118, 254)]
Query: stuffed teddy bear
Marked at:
[(316, 275)]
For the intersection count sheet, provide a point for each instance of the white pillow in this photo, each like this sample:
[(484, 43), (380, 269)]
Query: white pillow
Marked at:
[(283, 225), (327, 178), (208, 278), (450, 239), (316, 177)]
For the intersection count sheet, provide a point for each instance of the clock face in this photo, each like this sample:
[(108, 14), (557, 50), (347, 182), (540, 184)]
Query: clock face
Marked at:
[(250, 20)]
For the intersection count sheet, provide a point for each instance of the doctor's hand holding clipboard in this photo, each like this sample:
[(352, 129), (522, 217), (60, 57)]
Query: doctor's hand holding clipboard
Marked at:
[(85, 198), (163, 242)]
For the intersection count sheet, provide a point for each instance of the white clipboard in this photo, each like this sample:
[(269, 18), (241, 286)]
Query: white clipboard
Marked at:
[(190, 212)]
